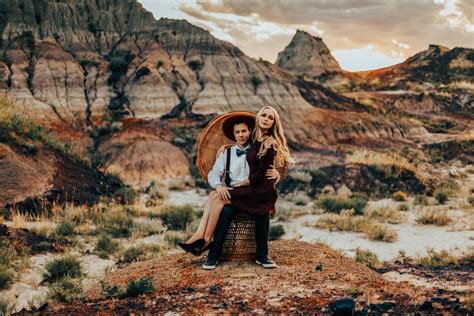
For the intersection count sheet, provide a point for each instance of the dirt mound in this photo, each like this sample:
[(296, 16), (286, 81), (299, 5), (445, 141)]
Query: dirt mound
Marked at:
[(308, 278), (21, 239), (36, 176)]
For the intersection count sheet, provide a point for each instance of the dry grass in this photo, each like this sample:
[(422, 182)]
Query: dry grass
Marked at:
[(382, 233), (19, 220), (432, 216), (383, 160), (385, 214), (343, 222), (346, 221), (7, 109), (469, 135)]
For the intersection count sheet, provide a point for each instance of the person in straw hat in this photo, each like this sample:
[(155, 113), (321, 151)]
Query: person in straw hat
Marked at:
[(255, 195)]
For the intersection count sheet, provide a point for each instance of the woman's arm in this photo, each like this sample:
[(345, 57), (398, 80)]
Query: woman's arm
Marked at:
[(260, 175)]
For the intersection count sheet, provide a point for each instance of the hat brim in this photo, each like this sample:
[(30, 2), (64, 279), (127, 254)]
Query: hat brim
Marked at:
[(231, 120)]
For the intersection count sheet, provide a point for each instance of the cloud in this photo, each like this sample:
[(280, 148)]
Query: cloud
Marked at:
[(263, 28)]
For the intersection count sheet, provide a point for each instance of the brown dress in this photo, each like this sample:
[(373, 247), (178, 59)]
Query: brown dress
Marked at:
[(260, 196)]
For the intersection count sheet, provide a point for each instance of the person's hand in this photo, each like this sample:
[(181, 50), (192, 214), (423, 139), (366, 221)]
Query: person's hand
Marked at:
[(272, 174), (243, 183), (221, 150), (223, 192)]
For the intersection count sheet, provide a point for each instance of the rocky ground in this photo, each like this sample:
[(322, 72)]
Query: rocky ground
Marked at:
[(309, 278)]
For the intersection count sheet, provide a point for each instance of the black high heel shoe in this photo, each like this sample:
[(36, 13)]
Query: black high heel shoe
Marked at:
[(193, 247), (205, 248)]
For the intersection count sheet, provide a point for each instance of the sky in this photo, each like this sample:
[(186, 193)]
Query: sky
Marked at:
[(361, 34)]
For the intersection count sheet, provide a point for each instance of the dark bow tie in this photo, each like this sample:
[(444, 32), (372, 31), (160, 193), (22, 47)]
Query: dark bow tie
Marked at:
[(242, 152)]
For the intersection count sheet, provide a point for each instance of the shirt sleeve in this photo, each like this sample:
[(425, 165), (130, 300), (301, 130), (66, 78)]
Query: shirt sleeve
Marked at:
[(259, 176), (214, 176)]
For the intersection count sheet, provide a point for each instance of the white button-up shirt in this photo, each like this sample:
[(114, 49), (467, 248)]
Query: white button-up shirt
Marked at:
[(239, 168)]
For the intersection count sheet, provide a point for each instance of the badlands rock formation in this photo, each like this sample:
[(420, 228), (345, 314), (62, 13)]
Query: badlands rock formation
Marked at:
[(308, 55)]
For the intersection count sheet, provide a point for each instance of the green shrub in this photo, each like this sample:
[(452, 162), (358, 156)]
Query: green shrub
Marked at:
[(44, 246), (275, 232), (399, 196), (61, 267), (6, 278), (65, 228), (65, 290), (118, 224), (106, 246), (177, 217), (337, 204), (172, 238), (441, 197), (301, 199), (368, 258), (421, 200), (403, 207), (111, 290), (140, 286), (126, 195), (133, 253)]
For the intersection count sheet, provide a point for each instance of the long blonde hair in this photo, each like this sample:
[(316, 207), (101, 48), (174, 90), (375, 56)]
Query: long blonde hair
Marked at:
[(274, 138)]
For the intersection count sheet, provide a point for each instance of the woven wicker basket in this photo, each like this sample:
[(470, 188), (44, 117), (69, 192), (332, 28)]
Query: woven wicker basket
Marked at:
[(240, 244)]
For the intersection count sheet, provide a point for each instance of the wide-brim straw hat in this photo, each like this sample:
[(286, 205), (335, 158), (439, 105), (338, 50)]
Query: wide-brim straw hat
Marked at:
[(213, 138)]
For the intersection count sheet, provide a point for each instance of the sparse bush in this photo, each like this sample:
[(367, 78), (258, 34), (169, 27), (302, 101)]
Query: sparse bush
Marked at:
[(275, 232), (6, 278), (337, 204), (421, 200), (65, 228), (403, 207), (382, 233), (301, 199), (399, 196), (126, 195), (140, 286), (343, 222), (177, 217), (61, 267), (433, 217), (368, 258), (65, 290), (111, 290), (441, 197), (157, 191), (434, 258), (6, 306), (384, 214), (44, 246), (118, 224), (133, 254), (172, 238), (106, 246)]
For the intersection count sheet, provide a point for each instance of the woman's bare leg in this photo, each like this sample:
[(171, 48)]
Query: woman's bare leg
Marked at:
[(204, 219), (214, 213)]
